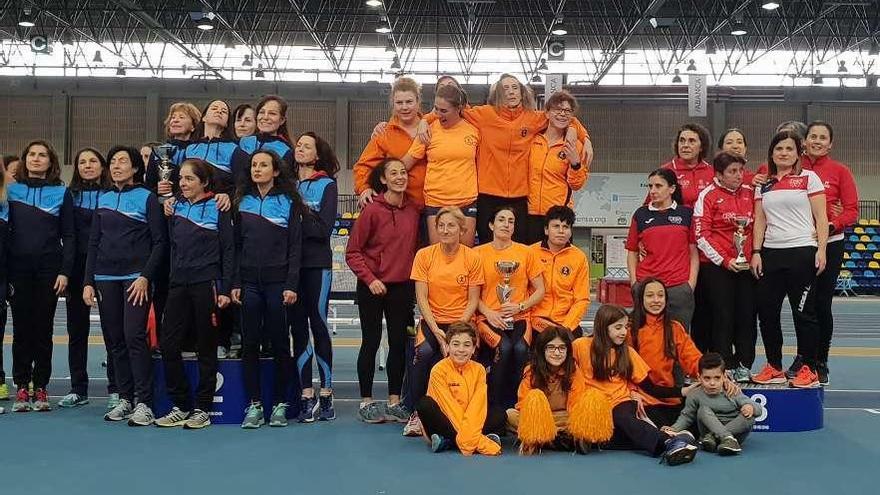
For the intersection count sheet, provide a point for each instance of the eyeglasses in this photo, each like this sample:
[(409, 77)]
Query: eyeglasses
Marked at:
[(562, 111), (559, 349)]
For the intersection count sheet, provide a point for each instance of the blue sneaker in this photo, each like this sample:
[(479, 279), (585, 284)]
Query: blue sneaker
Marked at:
[(253, 416), (308, 410), (326, 411), (439, 444), (680, 449)]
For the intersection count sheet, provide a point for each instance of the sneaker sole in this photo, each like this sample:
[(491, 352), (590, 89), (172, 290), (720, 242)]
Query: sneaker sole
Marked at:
[(71, 406), (331, 418), (727, 451), (372, 421), (198, 426), (278, 424), (250, 426), (42, 409), (135, 424), (20, 410), (170, 425), (771, 381), (810, 385), (115, 420), (682, 456)]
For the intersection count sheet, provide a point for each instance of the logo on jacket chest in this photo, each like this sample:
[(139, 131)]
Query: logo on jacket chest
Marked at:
[(675, 219), (524, 131), (561, 155), (470, 140), (565, 271), (461, 280)]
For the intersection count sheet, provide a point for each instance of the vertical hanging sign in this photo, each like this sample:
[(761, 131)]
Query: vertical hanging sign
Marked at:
[(697, 100), (554, 84)]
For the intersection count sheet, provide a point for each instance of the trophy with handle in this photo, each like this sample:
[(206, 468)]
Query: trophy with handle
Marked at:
[(165, 152), (739, 240), (506, 269)]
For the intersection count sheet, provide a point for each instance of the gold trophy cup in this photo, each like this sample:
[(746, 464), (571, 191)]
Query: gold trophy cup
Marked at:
[(506, 269)]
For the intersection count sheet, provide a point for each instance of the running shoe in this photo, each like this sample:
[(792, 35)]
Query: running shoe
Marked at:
[(253, 416), (371, 412), (795, 367), (709, 443), (495, 438), (41, 401), (308, 410), (729, 446), (822, 371), (197, 420), (4, 391), (121, 412), (142, 416), (73, 400), (413, 427), (680, 449), (326, 411), (22, 401), (806, 378), (769, 375), (112, 401), (397, 412), (175, 417), (439, 444), (221, 352), (741, 374), (278, 418)]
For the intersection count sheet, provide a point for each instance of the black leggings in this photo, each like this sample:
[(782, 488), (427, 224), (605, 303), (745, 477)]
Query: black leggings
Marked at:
[(631, 432), (310, 312), (33, 314), (434, 421), (191, 309), (789, 272), (263, 314), (3, 315), (397, 307), (124, 326), (730, 298), (506, 364), (825, 285), (78, 326), (425, 356)]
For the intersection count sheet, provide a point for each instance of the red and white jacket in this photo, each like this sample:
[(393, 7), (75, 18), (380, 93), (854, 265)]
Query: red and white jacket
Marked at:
[(839, 186), (692, 180), (714, 222)]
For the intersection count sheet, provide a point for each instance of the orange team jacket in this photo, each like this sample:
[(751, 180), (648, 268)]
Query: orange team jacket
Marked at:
[(394, 142), (558, 399), (551, 178), (529, 268), (461, 394), (651, 349), (617, 389), (567, 283), (451, 173), (448, 279), (503, 160)]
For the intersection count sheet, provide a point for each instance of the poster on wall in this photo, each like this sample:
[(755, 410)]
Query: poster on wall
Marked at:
[(609, 200)]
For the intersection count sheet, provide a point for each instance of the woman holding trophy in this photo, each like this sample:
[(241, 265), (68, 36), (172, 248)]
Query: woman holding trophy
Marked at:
[(723, 218), (514, 284)]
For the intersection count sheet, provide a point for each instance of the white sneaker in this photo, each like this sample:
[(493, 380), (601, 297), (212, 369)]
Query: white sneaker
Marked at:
[(142, 416), (197, 420), (413, 427), (174, 418), (121, 412)]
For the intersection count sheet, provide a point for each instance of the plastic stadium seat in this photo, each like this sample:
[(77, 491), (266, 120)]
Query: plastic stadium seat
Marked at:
[(875, 238), (874, 265), (865, 238), (858, 230), (871, 247), (846, 256), (864, 221), (868, 274), (877, 256), (855, 256), (849, 264), (871, 231), (853, 238), (874, 221), (860, 247), (346, 215), (848, 246)]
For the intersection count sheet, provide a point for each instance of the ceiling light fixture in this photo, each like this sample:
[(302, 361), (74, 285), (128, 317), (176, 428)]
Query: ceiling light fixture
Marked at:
[(738, 28), (677, 78), (769, 5), (383, 27), (259, 73), (247, 61), (396, 63), (97, 58), (842, 67), (206, 22), (374, 3), (120, 71), (542, 66), (536, 78), (692, 67), (27, 18), (559, 28)]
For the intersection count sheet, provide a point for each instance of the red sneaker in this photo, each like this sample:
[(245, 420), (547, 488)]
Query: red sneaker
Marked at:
[(22, 401), (805, 378), (41, 403), (769, 375)]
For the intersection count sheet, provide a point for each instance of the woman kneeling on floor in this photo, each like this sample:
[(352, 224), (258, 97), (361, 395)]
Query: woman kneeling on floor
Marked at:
[(455, 413), (552, 399)]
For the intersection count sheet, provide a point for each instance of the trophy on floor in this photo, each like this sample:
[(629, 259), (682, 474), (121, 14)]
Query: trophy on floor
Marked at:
[(506, 269), (739, 240), (165, 153)]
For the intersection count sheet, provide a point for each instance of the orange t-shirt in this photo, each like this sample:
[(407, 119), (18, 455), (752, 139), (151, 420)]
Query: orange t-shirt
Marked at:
[(448, 279), (529, 268), (617, 389), (551, 179), (651, 347), (451, 174), (393, 143), (567, 281)]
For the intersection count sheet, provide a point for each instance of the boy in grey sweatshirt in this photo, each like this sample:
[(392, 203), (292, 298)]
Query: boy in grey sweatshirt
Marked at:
[(724, 422)]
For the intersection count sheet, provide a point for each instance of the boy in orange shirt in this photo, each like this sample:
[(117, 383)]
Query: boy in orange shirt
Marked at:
[(456, 410)]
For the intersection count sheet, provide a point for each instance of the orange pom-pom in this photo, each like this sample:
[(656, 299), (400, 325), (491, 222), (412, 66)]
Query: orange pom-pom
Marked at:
[(536, 425), (590, 418)]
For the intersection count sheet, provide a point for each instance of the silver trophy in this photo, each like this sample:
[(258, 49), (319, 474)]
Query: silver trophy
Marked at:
[(739, 240), (165, 152), (506, 269)]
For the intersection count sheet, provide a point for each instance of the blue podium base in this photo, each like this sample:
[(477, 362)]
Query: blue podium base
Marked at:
[(787, 409), (230, 397)]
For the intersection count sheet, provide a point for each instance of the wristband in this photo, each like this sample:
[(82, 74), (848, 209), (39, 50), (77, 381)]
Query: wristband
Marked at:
[(756, 251)]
